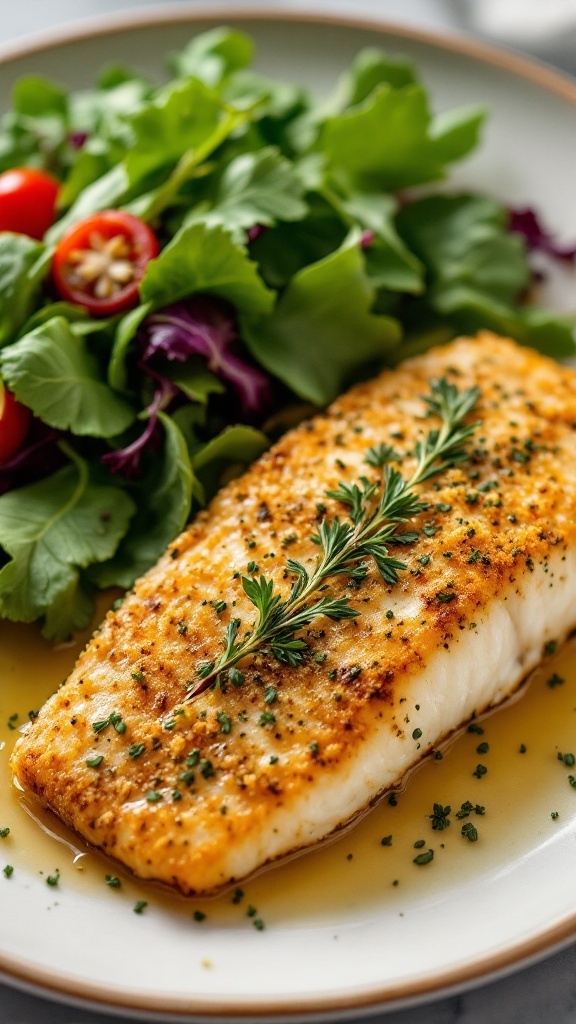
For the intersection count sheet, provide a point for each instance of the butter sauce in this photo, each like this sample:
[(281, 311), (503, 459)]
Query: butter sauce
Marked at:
[(524, 786)]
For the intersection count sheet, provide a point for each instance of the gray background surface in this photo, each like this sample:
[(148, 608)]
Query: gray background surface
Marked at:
[(541, 994)]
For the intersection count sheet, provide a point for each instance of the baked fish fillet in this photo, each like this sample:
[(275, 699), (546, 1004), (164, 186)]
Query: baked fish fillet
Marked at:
[(202, 798)]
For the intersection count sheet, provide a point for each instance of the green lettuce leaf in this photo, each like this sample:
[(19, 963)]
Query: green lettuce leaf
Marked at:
[(369, 69), (322, 329), (391, 141), (287, 248), (256, 188), (202, 259), (213, 56), (463, 241), (22, 268), (163, 498), (52, 372), (226, 456), (51, 530)]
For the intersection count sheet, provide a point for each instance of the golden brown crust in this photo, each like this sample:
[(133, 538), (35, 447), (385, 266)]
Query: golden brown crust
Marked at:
[(488, 524)]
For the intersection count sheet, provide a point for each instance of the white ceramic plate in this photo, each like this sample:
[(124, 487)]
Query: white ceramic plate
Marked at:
[(358, 955)]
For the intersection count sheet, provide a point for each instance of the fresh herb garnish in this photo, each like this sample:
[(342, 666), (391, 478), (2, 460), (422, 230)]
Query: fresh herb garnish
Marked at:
[(375, 510)]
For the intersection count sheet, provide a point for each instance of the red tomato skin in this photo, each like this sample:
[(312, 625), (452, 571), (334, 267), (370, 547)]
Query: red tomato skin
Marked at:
[(27, 201), (14, 424), (144, 247)]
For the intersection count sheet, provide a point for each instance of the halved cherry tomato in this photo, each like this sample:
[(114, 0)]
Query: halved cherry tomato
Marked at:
[(27, 201), (14, 423), (100, 262)]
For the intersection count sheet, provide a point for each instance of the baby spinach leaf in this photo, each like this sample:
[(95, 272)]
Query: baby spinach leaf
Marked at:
[(322, 330), (52, 372)]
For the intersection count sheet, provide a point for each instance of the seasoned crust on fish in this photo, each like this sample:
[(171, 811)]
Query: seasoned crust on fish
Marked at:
[(202, 797)]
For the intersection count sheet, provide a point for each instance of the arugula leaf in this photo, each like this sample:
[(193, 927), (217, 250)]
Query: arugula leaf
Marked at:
[(322, 331), (52, 372), (21, 271), (256, 188), (391, 141), (227, 455), (288, 247), (35, 131), (202, 259), (51, 530), (213, 56), (463, 240), (163, 501), (389, 262), (180, 117), (180, 125), (370, 68)]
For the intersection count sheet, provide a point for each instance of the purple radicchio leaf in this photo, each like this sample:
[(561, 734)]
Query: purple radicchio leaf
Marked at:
[(526, 222), (255, 232), (77, 139), (204, 326), (127, 460)]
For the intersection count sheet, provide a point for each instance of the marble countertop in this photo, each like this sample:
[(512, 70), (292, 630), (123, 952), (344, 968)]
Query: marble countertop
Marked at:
[(542, 993)]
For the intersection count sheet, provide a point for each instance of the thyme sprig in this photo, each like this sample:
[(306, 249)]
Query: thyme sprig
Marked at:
[(375, 509)]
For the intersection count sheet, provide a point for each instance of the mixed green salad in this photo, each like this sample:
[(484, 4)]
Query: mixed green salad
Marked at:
[(186, 270)]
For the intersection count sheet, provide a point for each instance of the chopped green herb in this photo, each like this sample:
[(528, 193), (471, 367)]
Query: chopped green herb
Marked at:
[(4, 832), (271, 695), (439, 817), (225, 722), (207, 769), (136, 749), (267, 718), (483, 748), (154, 796), (8, 871), (199, 915), (96, 761), (140, 906), (113, 881), (424, 858), (469, 831), (53, 880), (386, 841), (555, 680), (416, 734), (480, 771)]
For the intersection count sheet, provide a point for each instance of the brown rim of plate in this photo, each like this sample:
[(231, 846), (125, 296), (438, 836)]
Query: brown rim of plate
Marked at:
[(42, 982)]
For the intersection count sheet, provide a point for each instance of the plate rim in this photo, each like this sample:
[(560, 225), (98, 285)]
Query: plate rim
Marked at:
[(560, 933)]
